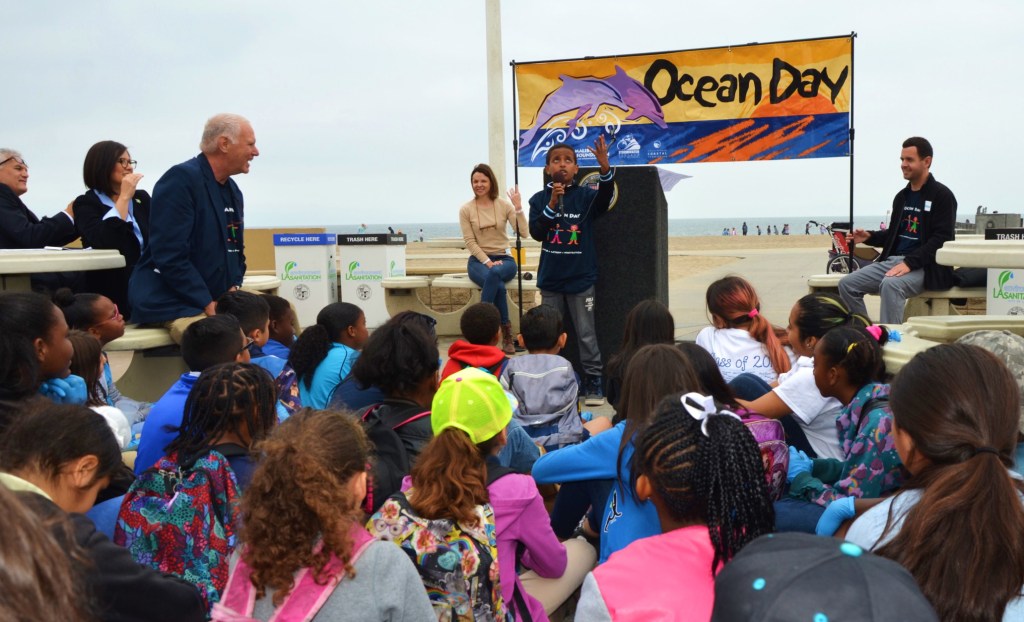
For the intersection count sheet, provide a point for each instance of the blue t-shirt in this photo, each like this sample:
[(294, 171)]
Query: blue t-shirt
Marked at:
[(328, 375), (168, 411), (908, 234)]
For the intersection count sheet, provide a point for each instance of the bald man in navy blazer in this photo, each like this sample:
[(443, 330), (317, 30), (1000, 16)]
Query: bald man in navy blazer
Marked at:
[(196, 248)]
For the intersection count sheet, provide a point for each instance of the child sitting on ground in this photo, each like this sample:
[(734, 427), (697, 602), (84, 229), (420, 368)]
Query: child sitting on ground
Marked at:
[(546, 385), (208, 342), (57, 458), (481, 330), (100, 317), (596, 473), (182, 515), (740, 338), (848, 366), (324, 354), (648, 322), (35, 353), (87, 363), (282, 327), (301, 522), (464, 511), (253, 315), (701, 469)]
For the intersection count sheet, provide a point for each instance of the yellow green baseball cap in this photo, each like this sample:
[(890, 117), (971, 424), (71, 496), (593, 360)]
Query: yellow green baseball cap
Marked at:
[(473, 401)]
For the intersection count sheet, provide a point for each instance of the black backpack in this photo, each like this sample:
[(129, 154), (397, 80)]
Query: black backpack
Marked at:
[(392, 461)]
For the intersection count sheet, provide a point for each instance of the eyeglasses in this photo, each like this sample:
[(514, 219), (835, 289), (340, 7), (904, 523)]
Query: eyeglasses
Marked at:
[(114, 316), (126, 163), (249, 343), (20, 161)]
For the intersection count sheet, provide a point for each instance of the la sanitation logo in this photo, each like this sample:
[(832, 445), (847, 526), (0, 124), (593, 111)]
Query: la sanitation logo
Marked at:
[(1007, 292)]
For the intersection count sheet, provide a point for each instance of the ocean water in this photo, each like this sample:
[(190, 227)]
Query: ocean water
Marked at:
[(677, 227)]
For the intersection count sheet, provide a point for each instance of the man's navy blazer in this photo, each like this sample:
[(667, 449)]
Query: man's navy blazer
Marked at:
[(186, 264)]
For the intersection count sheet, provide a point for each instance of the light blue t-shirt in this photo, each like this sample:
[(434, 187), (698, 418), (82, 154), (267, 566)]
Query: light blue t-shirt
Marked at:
[(328, 375)]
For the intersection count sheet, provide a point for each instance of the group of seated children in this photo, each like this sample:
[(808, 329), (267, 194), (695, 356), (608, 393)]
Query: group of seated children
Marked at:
[(390, 489)]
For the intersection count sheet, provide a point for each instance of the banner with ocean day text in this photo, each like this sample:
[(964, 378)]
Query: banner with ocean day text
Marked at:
[(768, 101)]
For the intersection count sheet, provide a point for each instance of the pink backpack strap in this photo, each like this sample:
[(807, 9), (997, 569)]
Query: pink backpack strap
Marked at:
[(239, 598), (412, 418), (307, 597)]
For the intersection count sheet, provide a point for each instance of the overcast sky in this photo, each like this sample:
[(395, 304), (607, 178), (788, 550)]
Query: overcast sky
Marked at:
[(376, 111)]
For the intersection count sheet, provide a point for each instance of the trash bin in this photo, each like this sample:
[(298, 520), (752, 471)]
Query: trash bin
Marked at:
[(308, 272), (367, 259)]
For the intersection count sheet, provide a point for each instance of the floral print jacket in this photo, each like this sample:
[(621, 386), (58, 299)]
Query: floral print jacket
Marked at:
[(872, 466)]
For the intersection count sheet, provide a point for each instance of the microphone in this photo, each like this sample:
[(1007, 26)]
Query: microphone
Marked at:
[(558, 177)]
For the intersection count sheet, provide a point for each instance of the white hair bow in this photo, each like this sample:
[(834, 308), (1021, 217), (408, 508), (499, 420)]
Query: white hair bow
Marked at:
[(701, 407)]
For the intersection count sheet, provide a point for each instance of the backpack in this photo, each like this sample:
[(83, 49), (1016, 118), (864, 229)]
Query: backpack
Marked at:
[(392, 462), (305, 599), (182, 519), (548, 395), (458, 564), (771, 440)]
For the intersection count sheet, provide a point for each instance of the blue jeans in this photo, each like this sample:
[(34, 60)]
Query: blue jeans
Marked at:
[(492, 281), (750, 387), (797, 515), (576, 499)]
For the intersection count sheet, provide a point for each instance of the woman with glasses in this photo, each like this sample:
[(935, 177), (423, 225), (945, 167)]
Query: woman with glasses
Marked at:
[(485, 221), (112, 214)]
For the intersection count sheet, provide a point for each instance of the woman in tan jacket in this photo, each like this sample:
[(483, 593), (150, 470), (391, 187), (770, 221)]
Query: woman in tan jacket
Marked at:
[(485, 221)]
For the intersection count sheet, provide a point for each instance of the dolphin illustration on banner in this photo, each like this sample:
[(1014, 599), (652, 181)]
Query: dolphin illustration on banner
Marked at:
[(586, 95)]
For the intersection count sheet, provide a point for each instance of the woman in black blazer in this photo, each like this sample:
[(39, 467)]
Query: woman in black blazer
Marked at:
[(112, 214)]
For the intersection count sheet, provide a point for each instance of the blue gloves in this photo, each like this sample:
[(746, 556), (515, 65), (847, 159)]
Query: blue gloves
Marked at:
[(70, 390), (798, 463), (838, 511)]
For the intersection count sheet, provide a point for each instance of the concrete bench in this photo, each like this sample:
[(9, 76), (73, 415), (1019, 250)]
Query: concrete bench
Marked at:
[(261, 284), (400, 295), (156, 362), (949, 328), (927, 303), (897, 354)]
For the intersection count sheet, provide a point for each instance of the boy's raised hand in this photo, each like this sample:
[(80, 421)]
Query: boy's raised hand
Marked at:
[(600, 151)]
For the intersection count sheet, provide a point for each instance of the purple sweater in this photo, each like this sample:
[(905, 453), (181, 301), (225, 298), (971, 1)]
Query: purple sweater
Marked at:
[(519, 516)]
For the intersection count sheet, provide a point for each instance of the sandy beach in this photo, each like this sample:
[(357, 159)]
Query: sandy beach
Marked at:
[(777, 265)]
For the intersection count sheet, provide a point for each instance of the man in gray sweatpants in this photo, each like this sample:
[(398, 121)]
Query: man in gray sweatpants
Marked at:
[(923, 219)]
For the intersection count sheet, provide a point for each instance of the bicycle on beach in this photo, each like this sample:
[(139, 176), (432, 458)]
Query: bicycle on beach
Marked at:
[(840, 260)]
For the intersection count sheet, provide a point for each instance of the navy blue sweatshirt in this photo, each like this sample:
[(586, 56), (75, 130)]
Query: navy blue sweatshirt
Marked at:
[(568, 257)]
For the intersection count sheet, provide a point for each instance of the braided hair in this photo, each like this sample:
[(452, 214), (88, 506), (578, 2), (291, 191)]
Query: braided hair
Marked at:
[(226, 398), (715, 478)]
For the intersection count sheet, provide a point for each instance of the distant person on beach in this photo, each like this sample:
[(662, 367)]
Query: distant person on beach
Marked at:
[(725, 230), (759, 230), (776, 230), (807, 229), (362, 228), (421, 235), (881, 225), (112, 214), (196, 250), (20, 228), (785, 229), (923, 219), (744, 227), (768, 228), (484, 221), (566, 278), (391, 231)]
